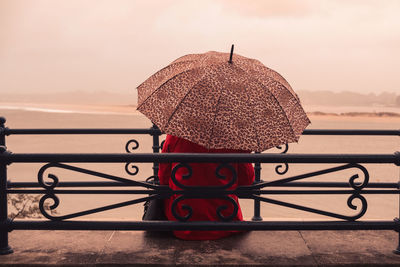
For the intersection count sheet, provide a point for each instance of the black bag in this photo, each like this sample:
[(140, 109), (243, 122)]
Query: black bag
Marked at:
[(154, 209)]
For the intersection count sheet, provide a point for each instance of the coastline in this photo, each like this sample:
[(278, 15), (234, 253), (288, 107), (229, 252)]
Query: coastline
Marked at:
[(71, 108), (356, 114), (114, 109)]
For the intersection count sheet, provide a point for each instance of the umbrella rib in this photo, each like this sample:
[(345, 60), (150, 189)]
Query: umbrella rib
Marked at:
[(180, 102), (152, 76), (168, 66), (152, 93), (291, 91), (252, 117), (262, 85), (255, 129), (215, 115), (290, 126), (216, 112)]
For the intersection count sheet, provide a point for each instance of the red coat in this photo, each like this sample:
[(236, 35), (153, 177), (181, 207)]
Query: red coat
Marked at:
[(203, 175)]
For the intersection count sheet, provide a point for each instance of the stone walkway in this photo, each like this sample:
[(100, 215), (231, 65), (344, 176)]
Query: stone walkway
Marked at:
[(263, 248)]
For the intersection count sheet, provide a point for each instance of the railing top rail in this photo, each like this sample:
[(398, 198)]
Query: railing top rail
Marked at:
[(9, 157), (149, 131), (384, 132), (155, 131)]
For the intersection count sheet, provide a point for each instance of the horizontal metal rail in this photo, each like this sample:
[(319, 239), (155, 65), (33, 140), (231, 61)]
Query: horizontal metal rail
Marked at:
[(198, 225), (153, 131), (7, 157), (118, 184), (238, 192), (351, 132), (148, 131)]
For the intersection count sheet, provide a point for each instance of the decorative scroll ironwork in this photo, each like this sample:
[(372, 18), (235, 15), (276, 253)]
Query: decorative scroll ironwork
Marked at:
[(283, 168), (162, 144), (321, 172), (189, 209), (204, 192), (321, 212), (224, 207), (218, 174), (184, 176), (183, 206), (130, 167), (285, 148), (50, 187), (129, 148), (357, 190), (50, 182)]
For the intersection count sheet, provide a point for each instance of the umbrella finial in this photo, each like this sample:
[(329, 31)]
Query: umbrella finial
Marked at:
[(230, 57)]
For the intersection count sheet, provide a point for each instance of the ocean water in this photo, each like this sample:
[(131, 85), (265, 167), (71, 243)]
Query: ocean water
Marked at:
[(36, 109), (347, 109), (61, 109), (80, 109)]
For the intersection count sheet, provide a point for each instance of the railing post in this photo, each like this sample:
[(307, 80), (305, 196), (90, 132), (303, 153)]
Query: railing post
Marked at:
[(397, 220), (397, 250), (4, 247), (156, 149), (257, 179)]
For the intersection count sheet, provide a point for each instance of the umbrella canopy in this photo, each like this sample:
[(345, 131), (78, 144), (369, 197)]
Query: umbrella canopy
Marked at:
[(218, 101)]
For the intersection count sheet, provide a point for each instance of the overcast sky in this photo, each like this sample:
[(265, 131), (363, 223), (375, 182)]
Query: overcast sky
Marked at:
[(114, 45)]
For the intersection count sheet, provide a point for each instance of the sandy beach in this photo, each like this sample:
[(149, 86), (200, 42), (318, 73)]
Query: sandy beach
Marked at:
[(95, 116), (71, 108)]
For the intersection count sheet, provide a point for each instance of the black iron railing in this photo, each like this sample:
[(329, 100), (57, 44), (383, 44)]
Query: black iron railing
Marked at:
[(49, 186)]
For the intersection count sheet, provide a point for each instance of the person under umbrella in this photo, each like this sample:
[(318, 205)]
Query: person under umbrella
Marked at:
[(206, 103), (204, 175)]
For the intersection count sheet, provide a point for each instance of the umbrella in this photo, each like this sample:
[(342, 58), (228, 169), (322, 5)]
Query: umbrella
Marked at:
[(221, 100)]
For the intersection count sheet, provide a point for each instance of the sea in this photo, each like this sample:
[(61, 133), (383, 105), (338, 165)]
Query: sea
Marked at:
[(100, 109)]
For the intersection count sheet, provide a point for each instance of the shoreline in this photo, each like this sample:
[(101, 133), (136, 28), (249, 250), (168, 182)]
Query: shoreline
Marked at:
[(356, 114), (110, 109), (93, 109)]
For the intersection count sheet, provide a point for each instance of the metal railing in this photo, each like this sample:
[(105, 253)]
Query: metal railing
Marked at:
[(50, 186)]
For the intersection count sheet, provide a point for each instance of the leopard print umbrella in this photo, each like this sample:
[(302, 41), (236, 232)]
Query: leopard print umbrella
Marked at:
[(216, 103)]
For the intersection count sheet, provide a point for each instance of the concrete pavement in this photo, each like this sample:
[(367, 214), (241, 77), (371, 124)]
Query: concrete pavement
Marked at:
[(257, 248)]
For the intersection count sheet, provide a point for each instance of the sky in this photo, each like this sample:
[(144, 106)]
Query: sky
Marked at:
[(114, 45)]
